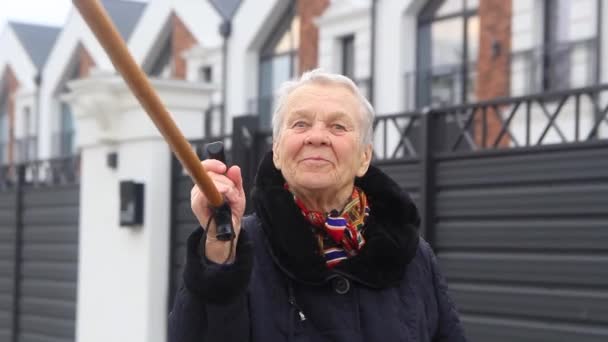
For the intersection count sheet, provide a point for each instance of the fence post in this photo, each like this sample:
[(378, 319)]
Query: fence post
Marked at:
[(244, 133), (427, 193), (16, 293)]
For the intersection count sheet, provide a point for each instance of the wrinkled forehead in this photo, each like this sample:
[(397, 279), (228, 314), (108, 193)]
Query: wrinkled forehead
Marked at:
[(327, 100)]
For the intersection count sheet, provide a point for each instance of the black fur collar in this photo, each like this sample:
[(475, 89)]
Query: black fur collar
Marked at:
[(391, 234)]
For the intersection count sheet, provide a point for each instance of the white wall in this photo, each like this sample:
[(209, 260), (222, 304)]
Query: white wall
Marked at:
[(343, 18), (396, 32)]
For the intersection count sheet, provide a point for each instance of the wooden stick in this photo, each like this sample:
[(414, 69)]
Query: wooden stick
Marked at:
[(100, 23)]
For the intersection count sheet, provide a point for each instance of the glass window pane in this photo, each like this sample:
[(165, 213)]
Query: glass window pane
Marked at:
[(348, 56), (291, 38), (66, 118), (273, 72), (447, 42), (473, 38), (446, 86), (472, 4), (559, 20), (3, 135), (3, 120), (449, 7), (266, 77)]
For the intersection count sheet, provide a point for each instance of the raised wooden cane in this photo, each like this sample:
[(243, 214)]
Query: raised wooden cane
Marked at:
[(101, 25)]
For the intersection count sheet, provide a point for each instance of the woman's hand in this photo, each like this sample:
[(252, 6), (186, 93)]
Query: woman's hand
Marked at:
[(229, 183)]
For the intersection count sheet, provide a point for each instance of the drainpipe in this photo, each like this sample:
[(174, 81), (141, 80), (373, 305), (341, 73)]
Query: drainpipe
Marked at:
[(372, 59)]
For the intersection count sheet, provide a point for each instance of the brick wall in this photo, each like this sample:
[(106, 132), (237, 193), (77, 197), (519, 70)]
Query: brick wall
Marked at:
[(85, 62), (308, 10), (11, 85), (182, 40), (493, 69)]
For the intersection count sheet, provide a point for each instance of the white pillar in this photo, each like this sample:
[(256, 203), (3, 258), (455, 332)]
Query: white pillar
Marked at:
[(124, 272)]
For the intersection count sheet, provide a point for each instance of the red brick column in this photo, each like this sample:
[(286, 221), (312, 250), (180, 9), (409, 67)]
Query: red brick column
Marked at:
[(182, 40), (85, 62), (11, 86), (308, 10), (493, 63)]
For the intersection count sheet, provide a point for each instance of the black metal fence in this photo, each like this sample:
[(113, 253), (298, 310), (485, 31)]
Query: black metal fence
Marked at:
[(513, 196), (39, 204)]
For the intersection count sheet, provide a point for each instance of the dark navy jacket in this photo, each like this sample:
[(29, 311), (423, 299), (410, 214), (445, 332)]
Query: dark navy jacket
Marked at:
[(279, 288)]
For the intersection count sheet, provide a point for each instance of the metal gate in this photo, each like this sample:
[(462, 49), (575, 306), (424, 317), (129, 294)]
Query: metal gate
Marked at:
[(519, 223)]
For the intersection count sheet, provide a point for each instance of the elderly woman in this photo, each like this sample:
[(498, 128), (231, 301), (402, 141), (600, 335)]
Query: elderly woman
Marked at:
[(332, 251)]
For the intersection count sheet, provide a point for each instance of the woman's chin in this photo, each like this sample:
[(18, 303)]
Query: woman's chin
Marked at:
[(316, 181)]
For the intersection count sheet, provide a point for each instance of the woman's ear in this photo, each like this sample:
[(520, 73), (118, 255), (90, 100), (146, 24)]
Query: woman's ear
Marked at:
[(366, 159), (275, 156)]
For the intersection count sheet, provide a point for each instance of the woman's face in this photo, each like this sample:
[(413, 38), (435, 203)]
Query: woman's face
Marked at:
[(319, 146)]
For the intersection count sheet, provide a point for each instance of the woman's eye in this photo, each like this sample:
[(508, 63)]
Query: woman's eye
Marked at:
[(299, 124), (339, 127)]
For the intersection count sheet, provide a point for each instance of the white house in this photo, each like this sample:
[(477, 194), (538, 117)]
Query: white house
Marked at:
[(25, 51)]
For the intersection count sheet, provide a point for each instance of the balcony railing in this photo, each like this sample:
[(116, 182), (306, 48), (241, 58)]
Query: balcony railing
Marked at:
[(41, 173), (559, 117), (560, 66), (26, 149)]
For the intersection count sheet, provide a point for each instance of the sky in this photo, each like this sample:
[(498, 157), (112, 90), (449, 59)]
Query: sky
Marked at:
[(44, 12)]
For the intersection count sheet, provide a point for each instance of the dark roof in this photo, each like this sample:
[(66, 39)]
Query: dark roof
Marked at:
[(124, 14), (36, 39)]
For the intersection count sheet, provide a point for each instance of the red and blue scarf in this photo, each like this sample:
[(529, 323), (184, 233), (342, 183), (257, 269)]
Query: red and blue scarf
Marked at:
[(339, 234)]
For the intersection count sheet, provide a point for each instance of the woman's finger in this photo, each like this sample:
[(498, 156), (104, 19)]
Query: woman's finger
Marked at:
[(234, 174), (213, 165)]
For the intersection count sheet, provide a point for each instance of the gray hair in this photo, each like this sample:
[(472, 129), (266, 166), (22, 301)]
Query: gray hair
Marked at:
[(317, 76)]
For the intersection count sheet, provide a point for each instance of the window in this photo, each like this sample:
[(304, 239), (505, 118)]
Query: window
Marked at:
[(278, 62), (570, 44), (206, 74), (347, 45), (66, 129), (448, 40), (63, 137), (26, 145)]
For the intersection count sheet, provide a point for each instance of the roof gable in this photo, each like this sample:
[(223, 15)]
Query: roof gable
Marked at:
[(37, 40), (124, 14)]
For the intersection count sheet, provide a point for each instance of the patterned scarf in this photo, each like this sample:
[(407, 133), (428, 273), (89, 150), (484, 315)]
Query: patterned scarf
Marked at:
[(339, 234)]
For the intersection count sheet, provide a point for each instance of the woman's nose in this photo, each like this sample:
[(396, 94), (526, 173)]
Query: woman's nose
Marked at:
[(317, 136)]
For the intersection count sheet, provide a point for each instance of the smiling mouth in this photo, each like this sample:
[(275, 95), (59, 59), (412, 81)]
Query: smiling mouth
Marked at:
[(315, 160)]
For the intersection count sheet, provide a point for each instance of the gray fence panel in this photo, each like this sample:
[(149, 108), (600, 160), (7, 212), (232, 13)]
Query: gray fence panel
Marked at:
[(7, 262), (407, 173), (183, 223), (522, 238), (49, 264), (515, 330)]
